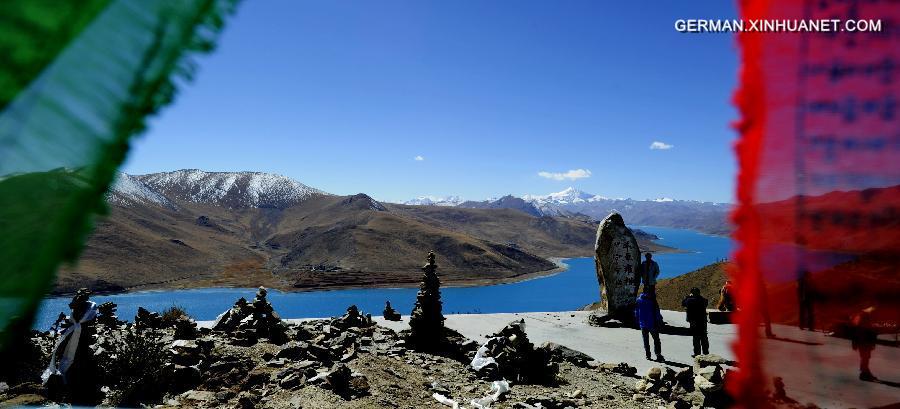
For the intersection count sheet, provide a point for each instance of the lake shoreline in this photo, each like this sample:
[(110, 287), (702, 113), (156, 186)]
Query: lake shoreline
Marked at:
[(559, 262), (559, 267)]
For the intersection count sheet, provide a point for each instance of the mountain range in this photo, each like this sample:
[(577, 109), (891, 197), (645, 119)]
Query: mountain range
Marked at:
[(191, 228), (707, 217)]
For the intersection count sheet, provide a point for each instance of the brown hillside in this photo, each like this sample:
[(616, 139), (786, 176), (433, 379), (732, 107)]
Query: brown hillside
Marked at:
[(321, 241), (708, 279)]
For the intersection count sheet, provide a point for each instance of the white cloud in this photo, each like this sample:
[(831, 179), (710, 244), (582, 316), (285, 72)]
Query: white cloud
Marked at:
[(419, 158), (657, 145), (570, 175)]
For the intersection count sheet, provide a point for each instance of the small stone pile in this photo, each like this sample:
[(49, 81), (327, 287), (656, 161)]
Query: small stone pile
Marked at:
[(107, 315), (247, 323), (516, 359), (621, 368), (390, 313), (147, 320), (426, 321), (353, 319), (701, 385), (344, 382)]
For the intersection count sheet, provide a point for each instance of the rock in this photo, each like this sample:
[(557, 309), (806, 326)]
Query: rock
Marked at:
[(291, 381), (704, 385), (702, 361), (293, 350), (617, 259), (621, 368), (443, 389), (654, 373), (711, 373), (255, 379), (678, 404), (637, 397), (684, 377), (198, 396), (562, 353), (343, 382), (426, 322), (186, 377), (641, 385), (246, 401), (277, 363)]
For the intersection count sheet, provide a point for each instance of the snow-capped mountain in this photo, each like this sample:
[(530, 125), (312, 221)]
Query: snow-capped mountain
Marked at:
[(505, 202), (434, 201), (229, 189), (573, 203), (567, 196), (704, 216), (127, 190)]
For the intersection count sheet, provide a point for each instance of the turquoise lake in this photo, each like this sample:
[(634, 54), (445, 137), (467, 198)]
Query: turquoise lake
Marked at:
[(565, 291)]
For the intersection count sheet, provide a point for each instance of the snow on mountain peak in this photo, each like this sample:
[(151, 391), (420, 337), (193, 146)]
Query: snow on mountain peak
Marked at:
[(567, 196), (127, 190), (235, 189), (434, 201)]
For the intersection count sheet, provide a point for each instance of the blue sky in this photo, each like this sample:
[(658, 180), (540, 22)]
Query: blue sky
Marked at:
[(345, 95)]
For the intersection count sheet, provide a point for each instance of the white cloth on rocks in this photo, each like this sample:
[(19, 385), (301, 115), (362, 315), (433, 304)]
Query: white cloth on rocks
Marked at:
[(68, 356), (497, 388), (481, 359), (443, 400)]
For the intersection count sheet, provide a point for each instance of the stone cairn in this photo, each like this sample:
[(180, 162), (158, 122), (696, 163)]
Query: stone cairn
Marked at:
[(617, 258), (390, 313), (353, 319), (699, 386), (426, 321), (516, 359), (107, 315), (247, 322)]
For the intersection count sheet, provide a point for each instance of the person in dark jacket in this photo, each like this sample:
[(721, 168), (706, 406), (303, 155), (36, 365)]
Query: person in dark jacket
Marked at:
[(649, 321), (695, 307), (649, 274), (864, 338)]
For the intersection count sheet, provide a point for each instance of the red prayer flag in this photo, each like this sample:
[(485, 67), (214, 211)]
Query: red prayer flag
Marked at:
[(818, 215)]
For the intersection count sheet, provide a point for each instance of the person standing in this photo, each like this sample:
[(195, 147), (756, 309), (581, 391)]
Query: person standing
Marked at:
[(726, 297), (647, 316), (695, 307), (805, 296), (863, 340), (649, 273)]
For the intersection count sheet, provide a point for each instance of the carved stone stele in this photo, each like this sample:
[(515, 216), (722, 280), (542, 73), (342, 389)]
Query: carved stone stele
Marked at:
[(618, 260)]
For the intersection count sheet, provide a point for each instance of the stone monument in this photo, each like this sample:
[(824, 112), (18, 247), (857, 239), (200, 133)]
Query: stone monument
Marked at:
[(618, 261)]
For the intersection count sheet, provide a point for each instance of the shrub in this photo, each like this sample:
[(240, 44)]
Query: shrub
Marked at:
[(174, 314)]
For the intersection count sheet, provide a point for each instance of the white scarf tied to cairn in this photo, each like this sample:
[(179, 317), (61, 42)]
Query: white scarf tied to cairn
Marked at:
[(68, 356)]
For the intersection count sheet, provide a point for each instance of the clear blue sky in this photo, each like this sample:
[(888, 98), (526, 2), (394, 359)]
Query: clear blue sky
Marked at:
[(344, 95)]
